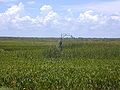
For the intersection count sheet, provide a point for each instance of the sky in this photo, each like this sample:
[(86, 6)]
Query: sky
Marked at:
[(50, 18)]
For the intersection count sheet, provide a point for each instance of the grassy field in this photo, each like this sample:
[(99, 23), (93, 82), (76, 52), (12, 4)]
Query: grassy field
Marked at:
[(37, 64)]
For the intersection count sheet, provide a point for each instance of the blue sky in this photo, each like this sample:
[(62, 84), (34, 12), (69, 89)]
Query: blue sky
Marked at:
[(50, 18)]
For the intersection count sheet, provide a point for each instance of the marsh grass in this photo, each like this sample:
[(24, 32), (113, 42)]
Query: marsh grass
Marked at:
[(86, 65), (85, 50)]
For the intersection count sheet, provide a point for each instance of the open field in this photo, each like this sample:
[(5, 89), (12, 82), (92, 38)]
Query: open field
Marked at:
[(37, 64)]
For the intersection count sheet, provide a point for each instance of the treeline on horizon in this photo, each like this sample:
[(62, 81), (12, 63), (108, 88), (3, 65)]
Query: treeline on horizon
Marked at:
[(52, 38)]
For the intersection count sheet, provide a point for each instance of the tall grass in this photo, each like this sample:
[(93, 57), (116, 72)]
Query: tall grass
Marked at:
[(85, 50), (81, 65)]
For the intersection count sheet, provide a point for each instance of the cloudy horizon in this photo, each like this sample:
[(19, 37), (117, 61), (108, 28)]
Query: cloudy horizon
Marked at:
[(46, 18)]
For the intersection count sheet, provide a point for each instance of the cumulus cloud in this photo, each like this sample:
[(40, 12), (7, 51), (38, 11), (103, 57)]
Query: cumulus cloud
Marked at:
[(88, 16), (47, 15), (15, 9), (48, 22), (44, 10), (10, 14)]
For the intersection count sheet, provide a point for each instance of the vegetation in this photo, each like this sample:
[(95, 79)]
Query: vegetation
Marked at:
[(37, 64)]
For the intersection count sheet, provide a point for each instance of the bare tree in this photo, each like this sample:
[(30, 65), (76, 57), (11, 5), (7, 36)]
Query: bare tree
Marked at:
[(61, 39)]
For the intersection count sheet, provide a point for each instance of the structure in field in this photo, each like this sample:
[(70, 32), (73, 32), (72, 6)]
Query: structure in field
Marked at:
[(60, 44), (63, 35)]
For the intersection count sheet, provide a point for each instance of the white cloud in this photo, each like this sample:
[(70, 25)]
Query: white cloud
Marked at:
[(51, 16), (115, 17), (69, 10), (9, 15), (88, 15), (46, 9), (48, 15), (15, 9), (50, 22)]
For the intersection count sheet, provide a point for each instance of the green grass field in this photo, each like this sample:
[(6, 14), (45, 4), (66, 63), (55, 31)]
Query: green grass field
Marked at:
[(37, 64)]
